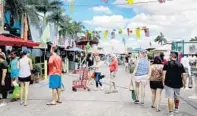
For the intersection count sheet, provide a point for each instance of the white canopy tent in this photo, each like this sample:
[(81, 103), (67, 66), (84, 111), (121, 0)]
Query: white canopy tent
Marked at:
[(112, 46)]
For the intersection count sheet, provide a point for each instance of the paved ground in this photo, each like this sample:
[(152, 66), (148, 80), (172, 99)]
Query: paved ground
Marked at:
[(93, 103)]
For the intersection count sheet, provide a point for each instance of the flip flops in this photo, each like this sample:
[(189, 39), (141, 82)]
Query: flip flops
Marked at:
[(50, 104), (59, 102)]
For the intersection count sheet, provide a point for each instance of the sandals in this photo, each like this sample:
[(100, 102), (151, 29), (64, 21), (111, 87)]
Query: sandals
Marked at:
[(59, 102), (51, 104), (152, 106), (158, 110)]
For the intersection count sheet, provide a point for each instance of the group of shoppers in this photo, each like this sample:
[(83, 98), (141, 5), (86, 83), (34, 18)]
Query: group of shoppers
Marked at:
[(17, 71), (162, 74)]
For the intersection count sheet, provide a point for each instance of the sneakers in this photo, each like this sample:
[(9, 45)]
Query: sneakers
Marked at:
[(137, 102), (176, 110), (3, 104)]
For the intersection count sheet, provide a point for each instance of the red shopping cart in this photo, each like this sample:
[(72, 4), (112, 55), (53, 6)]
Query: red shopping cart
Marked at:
[(83, 80)]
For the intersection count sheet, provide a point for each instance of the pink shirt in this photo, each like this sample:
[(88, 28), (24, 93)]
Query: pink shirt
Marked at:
[(55, 65)]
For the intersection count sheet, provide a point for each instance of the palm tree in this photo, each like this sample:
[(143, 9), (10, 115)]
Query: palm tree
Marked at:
[(161, 39), (46, 6), (194, 39), (76, 27), (56, 17), (71, 28), (65, 27)]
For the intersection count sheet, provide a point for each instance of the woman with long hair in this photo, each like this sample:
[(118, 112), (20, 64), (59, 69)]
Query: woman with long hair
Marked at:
[(156, 85), (25, 67), (140, 73), (164, 61), (97, 65)]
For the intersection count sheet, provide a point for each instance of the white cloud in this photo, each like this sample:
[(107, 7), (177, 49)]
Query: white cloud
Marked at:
[(102, 9), (108, 22), (176, 19)]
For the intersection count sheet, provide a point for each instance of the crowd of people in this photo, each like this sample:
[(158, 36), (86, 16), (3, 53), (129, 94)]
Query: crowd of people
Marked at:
[(13, 69), (160, 74)]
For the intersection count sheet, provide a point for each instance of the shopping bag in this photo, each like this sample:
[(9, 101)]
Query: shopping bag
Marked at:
[(93, 75), (133, 95), (16, 92)]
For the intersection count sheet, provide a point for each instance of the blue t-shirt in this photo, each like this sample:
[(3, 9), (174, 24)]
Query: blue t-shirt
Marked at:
[(14, 68), (143, 67)]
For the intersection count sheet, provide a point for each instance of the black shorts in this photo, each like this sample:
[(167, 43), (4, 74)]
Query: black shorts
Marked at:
[(24, 79), (156, 85)]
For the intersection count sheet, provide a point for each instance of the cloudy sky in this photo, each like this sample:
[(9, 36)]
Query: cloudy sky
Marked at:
[(176, 19)]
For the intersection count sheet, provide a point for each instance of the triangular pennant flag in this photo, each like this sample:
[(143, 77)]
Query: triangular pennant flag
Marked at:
[(56, 40), (65, 43), (130, 1), (106, 1), (46, 34), (72, 6), (25, 31), (120, 31), (137, 32), (86, 35), (129, 31), (144, 27), (106, 34), (124, 41), (146, 31), (113, 36), (162, 1), (88, 46), (91, 35)]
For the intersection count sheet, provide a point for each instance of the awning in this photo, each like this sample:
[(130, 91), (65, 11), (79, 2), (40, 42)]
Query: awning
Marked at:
[(31, 43), (14, 41)]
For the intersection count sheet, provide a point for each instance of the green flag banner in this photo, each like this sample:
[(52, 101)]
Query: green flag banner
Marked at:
[(46, 34)]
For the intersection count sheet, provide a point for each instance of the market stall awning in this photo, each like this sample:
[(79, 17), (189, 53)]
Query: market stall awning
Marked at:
[(14, 41), (84, 42)]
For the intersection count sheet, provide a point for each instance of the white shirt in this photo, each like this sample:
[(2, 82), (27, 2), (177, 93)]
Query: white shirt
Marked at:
[(185, 61), (24, 67)]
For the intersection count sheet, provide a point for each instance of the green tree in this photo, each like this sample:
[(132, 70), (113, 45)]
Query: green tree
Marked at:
[(46, 6), (56, 17), (71, 28), (160, 39), (76, 27)]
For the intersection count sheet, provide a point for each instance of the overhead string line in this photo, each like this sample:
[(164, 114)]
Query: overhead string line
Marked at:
[(120, 4)]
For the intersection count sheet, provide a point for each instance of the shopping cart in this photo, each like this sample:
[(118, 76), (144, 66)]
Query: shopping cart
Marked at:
[(83, 80)]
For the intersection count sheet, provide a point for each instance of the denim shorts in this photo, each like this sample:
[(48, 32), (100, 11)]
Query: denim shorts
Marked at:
[(172, 92)]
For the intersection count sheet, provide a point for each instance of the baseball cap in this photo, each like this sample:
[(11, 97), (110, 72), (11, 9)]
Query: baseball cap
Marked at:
[(26, 51)]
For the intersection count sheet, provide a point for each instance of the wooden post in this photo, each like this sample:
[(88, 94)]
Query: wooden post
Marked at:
[(67, 65), (45, 70)]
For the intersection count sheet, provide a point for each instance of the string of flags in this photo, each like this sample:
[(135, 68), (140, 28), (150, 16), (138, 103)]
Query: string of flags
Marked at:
[(137, 32), (130, 2)]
